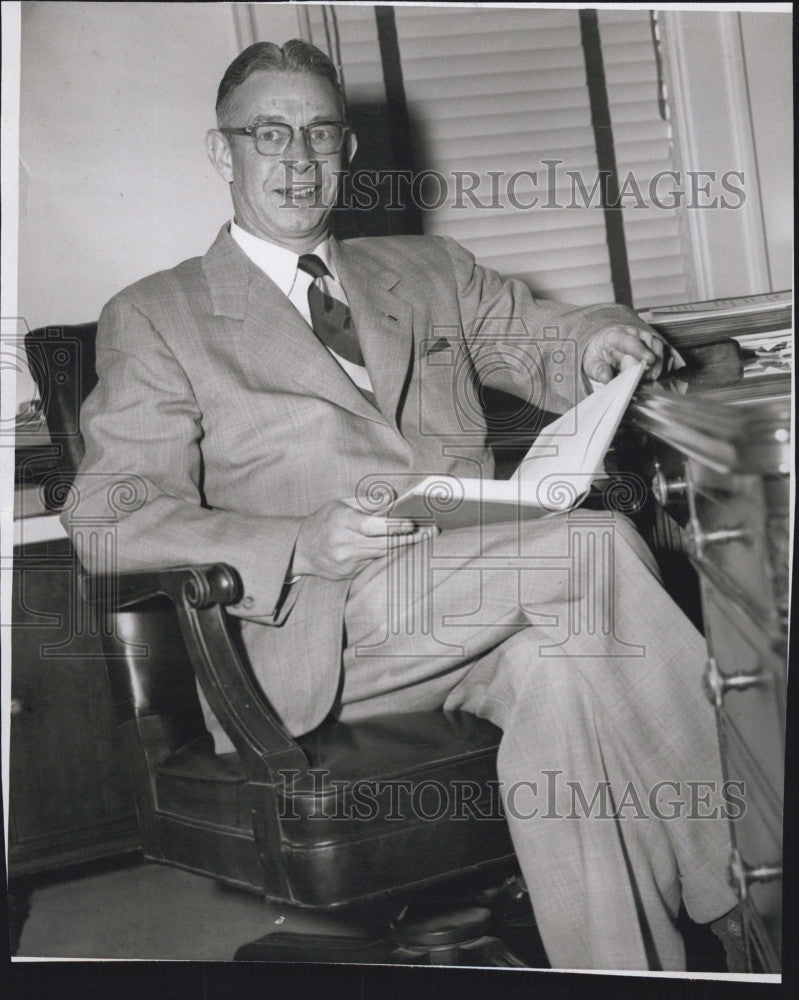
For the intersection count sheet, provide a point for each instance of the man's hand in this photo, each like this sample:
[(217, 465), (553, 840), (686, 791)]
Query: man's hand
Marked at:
[(617, 347), (336, 541)]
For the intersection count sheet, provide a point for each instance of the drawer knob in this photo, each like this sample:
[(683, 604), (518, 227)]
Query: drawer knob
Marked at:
[(699, 540), (717, 685), (667, 490), (16, 706), (742, 875)]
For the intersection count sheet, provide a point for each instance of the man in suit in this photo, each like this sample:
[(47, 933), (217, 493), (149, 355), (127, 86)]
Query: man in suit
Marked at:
[(255, 398)]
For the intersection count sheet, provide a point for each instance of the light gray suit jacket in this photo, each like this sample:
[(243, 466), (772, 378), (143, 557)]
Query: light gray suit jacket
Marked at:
[(232, 422)]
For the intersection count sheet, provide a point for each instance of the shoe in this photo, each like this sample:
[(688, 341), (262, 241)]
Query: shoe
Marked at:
[(729, 929)]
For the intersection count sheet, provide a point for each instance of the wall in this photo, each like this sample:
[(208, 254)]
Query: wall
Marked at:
[(767, 52), (732, 88), (115, 99)]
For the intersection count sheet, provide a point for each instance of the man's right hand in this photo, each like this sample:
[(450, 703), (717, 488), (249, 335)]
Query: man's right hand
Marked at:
[(336, 541)]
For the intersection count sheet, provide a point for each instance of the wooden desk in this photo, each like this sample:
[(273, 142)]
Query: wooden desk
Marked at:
[(718, 459)]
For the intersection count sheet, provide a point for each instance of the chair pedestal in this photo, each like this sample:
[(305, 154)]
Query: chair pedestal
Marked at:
[(456, 938)]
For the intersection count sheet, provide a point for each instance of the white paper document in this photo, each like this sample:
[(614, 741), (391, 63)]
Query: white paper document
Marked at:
[(555, 475)]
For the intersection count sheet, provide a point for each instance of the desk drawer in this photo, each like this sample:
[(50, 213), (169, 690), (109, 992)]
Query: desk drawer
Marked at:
[(760, 893), (70, 797), (746, 681), (728, 537), (751, 727)]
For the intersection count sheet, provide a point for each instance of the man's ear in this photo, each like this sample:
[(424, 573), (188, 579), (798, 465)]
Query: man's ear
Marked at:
[(219, 153), (352, 145)]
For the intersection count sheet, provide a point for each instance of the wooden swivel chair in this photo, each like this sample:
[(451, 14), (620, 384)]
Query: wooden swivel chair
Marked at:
[(350, 820)]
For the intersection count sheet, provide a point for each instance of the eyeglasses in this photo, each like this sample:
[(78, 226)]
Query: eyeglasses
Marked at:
[(274, 138)]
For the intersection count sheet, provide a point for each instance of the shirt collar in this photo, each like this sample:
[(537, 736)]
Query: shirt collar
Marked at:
[(275, 261)]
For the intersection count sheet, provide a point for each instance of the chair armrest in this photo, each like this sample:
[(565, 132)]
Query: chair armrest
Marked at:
[(201, 585), (199, 594)]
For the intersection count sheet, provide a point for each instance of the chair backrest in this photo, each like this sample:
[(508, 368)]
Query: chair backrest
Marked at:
[(153, 690), (62, 362), (149, 669), (155, 700)]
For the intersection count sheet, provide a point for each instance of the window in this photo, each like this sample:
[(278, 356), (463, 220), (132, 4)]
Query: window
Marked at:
[(499, 115)]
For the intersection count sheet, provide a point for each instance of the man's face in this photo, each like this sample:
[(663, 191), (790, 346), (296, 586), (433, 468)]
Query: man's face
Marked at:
[(285, 199)]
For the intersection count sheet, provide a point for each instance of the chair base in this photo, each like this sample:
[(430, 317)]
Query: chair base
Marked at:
[(497, 932), (487, 952), (454, 939)]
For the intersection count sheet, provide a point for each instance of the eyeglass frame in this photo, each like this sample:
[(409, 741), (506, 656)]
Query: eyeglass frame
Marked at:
[(249, 130)]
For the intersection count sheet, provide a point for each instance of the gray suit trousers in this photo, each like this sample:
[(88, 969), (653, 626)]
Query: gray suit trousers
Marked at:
[(560, 633)]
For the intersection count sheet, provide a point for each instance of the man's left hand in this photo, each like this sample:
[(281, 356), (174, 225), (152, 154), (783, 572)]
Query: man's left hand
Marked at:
[(615, 348)]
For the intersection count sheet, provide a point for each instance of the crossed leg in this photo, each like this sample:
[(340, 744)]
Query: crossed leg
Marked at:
[(559, 632)]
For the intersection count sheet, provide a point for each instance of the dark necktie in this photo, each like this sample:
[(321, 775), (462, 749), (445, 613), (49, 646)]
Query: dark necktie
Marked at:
[(331, 319)]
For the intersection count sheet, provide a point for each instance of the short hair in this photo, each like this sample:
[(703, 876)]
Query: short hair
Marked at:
[(296, 56)]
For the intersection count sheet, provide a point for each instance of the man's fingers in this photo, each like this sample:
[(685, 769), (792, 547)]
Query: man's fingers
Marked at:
[(617, 348), (653, 342), (620, 344), (384, 543), (337, 539), (358, 549), (602, 372), (627, 361), (373, 526)]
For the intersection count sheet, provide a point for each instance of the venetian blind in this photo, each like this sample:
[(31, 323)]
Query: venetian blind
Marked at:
[(360, 52), (658, 247), (503, 90), (500, 93)]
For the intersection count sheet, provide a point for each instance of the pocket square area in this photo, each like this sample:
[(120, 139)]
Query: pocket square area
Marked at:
[(442, 344)]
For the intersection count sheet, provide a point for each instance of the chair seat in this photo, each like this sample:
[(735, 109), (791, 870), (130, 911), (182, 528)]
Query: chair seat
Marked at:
[(374, 810)]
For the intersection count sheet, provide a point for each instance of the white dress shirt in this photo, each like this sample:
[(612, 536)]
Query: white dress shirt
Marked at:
[(280, 265)]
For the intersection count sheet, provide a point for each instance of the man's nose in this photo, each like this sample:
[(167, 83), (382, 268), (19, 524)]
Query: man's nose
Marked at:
[(300, 147)]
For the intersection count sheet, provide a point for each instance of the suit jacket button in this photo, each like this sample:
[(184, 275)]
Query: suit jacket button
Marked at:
[(247, 603)]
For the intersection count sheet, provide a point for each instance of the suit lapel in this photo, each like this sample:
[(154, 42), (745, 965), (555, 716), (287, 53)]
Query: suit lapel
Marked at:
[(382, 319), (273, 333)]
